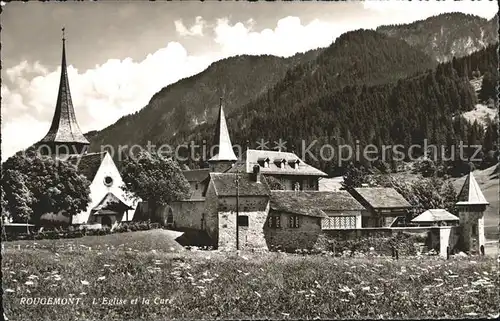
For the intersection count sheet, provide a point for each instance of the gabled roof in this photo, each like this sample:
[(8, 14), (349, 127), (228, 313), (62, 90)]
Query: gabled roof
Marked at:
[(471, 194), (196, 175), (110, 204), (225, 152), (253, 157), (64, 127), (225, 185), (435, 215), (302, 202), (87, 164), (382, 197)]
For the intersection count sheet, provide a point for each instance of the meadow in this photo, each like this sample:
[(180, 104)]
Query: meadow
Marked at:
[(153, 281)]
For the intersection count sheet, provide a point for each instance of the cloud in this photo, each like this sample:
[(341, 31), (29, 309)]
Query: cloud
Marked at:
[(194, 30), (286, 39), (100, 95), (103, 94)]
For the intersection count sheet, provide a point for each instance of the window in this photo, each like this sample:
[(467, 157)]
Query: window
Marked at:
[(243, 220), (274, 221), (108, 181), (294, 163), (339, 222), (293, 221), (196, 186)]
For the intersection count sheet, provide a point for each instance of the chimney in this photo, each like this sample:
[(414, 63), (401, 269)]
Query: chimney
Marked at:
[(256, 173)]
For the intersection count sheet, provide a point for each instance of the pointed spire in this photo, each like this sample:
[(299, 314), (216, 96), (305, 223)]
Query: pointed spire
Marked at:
[(64, 128), (471, 194), (225, 152)]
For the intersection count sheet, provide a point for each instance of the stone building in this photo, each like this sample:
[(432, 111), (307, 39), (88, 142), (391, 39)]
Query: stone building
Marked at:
[(64, 141)]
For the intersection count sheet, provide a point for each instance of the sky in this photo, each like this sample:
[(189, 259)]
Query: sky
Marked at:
[(120, 54)]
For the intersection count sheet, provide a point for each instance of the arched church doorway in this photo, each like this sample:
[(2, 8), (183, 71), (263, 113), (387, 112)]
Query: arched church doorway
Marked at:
[(106, 221)]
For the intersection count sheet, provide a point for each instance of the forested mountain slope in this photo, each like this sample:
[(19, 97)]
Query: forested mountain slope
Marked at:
[(447, 35)]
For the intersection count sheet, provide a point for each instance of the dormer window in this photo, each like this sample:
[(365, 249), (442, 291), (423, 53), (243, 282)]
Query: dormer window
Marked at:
[(280, 162), (263, 162), (294, 163)]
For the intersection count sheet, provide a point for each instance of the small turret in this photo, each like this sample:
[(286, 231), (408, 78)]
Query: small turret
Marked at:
[(225, 157), (471, 206)]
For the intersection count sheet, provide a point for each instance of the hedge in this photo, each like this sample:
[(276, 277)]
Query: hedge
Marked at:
[(72, 232)]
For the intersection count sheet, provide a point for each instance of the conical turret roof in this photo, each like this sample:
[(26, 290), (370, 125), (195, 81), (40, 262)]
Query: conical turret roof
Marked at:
[(471, 194), (64, 128), (225, 152)]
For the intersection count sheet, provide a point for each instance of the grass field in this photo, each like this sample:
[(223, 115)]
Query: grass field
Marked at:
[(217, 285), (157, 239)]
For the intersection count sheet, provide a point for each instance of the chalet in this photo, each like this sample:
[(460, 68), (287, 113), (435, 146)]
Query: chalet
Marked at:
[(382, 205), (64, 141)]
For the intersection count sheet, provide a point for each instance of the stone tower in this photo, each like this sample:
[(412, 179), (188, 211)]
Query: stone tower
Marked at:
[(64, 136), (225, 157), (471, 206)]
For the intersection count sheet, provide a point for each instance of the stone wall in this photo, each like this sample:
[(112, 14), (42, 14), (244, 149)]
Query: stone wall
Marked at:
[(251, 236), (289, 238), (196, 190), (472, 227)]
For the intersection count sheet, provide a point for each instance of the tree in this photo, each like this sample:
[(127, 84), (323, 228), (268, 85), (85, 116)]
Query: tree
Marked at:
[(44, 185), (154, 179), (274, 183), (488, 87), (424, 194), (426, 167), (17, 199), (354, 177)]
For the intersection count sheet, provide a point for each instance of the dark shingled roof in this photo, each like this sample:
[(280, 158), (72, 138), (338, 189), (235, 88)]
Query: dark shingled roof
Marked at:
[(382, 197), (303, 202), (87, 164), (64, 128), (225, 184), (196, 175)]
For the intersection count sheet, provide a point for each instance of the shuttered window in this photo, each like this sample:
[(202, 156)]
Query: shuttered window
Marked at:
[(274, 221), (293, 221), (339, 222)]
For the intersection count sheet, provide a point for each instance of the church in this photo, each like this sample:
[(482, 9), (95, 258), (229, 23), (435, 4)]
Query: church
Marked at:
[(109, 205)]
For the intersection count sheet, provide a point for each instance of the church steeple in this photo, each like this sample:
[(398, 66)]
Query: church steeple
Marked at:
[(225, 155), (64, 135)]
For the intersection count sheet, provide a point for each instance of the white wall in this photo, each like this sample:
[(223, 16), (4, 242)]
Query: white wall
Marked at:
[(98, 190)]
